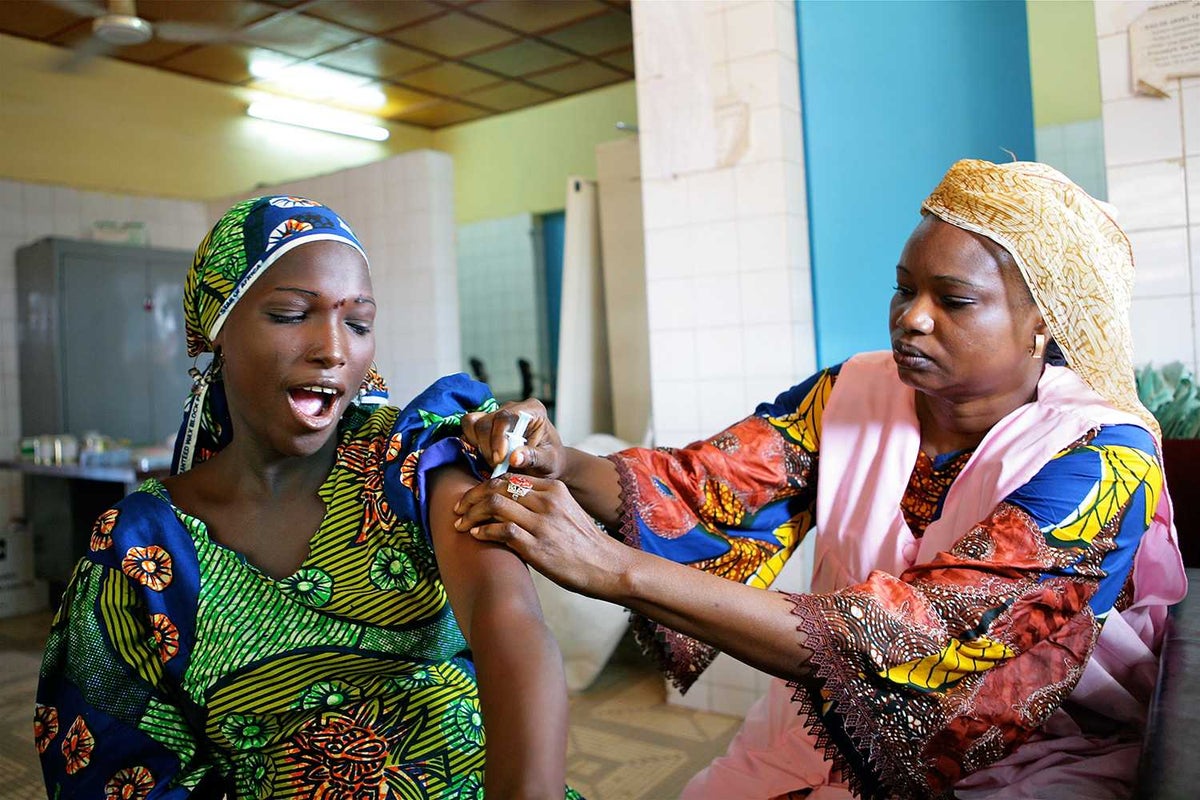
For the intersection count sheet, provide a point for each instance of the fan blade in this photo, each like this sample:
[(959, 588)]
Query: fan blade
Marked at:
[(201, 33), (80, 8), (79, 57), (192, 32)]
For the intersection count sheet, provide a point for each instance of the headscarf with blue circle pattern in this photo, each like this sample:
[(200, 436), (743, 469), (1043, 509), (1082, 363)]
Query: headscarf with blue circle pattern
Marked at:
[(248, 238)]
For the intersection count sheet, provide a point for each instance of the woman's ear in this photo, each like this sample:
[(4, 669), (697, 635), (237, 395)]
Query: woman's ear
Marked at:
[(218, 359)]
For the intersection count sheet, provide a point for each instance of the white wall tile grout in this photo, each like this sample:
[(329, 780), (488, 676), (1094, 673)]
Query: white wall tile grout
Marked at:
[(1150, 179)]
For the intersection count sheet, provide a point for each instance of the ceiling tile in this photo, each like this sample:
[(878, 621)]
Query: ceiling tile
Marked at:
[(577, 78), (411, 61), (452, 35), (532, 16), (298, 35), (34, 20), (374, 17), (228, 63), (596, 35), (321, 84), (401, 100), (205, 12), (508, 96), (448, 79), (440, 115), (377, 58), (621, 59), (521, 58)]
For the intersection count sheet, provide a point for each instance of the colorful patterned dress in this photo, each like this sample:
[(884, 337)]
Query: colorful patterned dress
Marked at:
[(1003, 623), (175, 668)]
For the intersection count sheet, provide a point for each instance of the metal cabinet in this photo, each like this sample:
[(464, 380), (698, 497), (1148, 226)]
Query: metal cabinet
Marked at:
[(101, 348), (101, 339)]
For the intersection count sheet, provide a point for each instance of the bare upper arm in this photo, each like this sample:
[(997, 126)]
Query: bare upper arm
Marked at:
[(472, 571)]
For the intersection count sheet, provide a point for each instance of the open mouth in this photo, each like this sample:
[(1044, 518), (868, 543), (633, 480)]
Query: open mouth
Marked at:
[(314, 402)]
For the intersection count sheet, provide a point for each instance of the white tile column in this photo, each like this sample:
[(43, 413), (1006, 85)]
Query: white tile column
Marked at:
[(726, 228), (727, 267), (1152, 159)]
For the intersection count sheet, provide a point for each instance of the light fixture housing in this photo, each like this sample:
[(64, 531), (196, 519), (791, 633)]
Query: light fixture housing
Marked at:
[(320, 118), (121, 30)]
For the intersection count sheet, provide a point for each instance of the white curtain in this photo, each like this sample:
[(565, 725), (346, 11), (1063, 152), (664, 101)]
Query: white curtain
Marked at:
[(583, 399)]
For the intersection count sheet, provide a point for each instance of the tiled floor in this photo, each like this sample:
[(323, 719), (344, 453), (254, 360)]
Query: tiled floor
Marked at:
[(21, 640), (625, 742)]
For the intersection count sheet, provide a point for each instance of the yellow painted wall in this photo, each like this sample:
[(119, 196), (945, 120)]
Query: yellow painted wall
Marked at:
[(1063, 62), (118, 127), (520, 161), (122, 128)]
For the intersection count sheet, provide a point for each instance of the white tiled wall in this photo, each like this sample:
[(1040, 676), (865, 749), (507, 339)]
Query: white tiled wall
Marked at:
[(729, 286), (501, 295), (1152, 161), (402, 209), (727, 268), (30, 211)]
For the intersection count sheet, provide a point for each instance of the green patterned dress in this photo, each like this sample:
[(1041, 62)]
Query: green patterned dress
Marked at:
[(177, 669)]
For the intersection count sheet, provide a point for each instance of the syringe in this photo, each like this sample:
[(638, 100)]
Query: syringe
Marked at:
[(515, 438)]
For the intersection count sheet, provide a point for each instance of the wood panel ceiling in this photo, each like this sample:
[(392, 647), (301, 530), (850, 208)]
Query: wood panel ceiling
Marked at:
[(430, 63)]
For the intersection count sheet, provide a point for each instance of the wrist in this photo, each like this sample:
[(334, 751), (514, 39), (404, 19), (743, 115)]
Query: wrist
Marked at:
[(573, 464), (623, 576)]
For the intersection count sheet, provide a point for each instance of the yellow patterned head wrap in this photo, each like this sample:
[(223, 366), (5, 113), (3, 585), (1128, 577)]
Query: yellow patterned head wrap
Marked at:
[(1076, 260)]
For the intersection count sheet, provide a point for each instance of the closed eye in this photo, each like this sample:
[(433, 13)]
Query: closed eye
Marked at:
[(286, 319)]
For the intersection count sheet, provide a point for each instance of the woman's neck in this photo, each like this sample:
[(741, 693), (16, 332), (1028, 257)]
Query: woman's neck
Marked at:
[(950, 425), (248, 472)]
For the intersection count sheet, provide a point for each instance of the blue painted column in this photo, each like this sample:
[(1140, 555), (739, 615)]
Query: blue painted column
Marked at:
[(893, 93)]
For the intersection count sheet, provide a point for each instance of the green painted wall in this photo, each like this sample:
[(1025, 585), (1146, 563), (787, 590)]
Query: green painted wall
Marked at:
[(519, 162), (1063, 62)]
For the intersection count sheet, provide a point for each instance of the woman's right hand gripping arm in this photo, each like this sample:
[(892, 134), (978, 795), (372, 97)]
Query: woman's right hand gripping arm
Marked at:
[(551, 533), (591, 479)]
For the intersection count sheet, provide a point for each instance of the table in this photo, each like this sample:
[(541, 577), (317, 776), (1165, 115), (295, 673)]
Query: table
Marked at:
[(62, 501)]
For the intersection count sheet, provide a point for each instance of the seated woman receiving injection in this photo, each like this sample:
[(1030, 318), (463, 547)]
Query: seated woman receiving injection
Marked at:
[(995, 554), (292, 614)]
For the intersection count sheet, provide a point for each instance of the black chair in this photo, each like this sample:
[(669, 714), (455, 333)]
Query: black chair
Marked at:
[(1169, 769), (477, 369), (526, 370)]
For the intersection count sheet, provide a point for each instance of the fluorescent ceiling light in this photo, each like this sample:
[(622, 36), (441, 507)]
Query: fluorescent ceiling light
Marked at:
[(318, 117), (317, 83), (266, 65)]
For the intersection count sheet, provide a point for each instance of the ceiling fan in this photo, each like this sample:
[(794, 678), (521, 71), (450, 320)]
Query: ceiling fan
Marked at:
[(116, 24)]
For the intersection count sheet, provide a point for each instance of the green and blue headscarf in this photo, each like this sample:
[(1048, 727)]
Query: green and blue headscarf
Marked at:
[(249, 238)]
